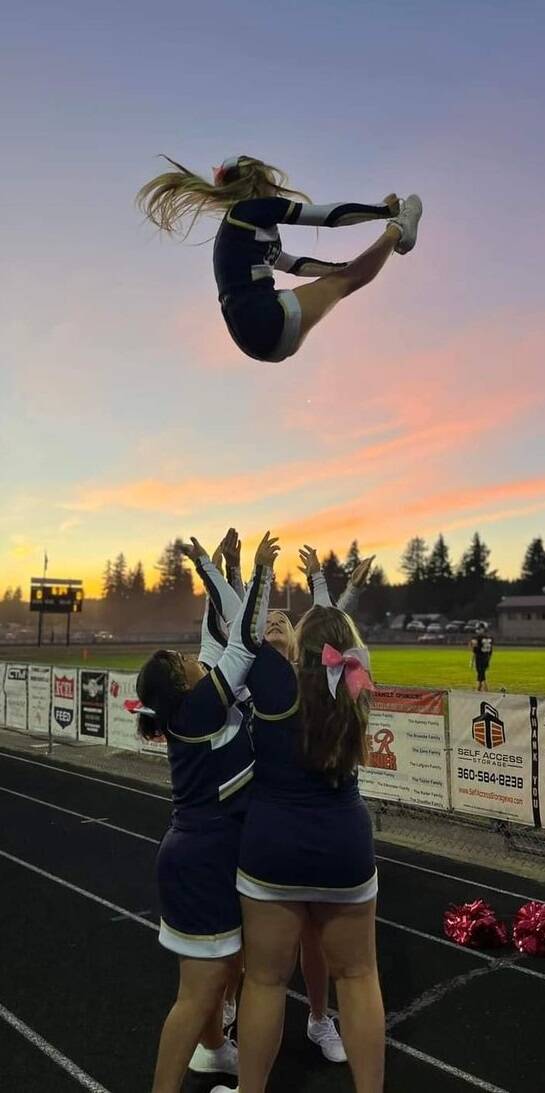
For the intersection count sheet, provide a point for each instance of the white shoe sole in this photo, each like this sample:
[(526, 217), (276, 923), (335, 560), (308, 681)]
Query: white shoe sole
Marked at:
[(408, 220)]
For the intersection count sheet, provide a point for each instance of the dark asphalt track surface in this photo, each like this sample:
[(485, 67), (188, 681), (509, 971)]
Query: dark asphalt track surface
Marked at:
[(84, 985)]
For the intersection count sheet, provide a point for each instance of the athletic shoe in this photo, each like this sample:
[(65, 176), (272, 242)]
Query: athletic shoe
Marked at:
[(324, 1033), (224, 1060), (229, 1013), (407, 220), (223, 1089)]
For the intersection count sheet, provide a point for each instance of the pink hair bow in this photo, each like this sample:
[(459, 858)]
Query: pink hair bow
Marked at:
[(133, 705), (354, 663)]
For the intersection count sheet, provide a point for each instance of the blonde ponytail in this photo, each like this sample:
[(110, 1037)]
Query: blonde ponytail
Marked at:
[(173, 198)]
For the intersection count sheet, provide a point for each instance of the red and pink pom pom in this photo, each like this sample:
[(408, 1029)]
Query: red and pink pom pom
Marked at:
[(475, 925), (529, 929)]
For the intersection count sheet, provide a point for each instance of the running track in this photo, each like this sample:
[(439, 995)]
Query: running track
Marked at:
[(84, 986)]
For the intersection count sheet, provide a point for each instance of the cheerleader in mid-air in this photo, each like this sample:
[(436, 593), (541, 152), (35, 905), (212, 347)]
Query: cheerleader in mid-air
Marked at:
[(267, 324)]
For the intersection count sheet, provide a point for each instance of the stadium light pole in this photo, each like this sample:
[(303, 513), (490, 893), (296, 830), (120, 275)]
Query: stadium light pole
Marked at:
[(41, 613)]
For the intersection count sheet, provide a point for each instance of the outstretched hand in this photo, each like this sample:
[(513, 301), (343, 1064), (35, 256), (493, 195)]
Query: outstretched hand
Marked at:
[(217, 557), (231, 549), (309, 557), (193, 550), (362, 571), (267, 551)]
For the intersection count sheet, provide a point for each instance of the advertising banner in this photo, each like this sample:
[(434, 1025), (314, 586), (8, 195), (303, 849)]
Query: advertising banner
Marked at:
[(3, 667), (64, 703), (39, 697), (407, 748), (16, 690), (93, 688), (122, 724), (495, 754)]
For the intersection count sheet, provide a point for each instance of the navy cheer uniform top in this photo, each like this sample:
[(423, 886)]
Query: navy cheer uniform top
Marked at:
[(248, 248)]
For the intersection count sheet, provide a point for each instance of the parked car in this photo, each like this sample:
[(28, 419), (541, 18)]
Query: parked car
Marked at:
[(416, 624), (434, 636), (474, 624), (434, 628), (455, 627), (103, 635)]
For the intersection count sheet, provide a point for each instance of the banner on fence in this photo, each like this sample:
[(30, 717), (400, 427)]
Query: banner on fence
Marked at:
[(495, 754), (3, 667), (93, 687), (39, 697), (407, 748), (155, 747), (64, 703), (122, 724), (16, 691)]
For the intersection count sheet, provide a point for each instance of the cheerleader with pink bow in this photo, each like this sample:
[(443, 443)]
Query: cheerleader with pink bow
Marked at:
[(307, 846)]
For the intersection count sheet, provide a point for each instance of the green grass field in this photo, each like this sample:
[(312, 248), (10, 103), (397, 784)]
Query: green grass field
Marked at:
[(516, 670)]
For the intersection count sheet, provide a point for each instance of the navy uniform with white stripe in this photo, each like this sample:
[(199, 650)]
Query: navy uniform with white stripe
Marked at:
[(263, 322), (304, 838), (211, 759)]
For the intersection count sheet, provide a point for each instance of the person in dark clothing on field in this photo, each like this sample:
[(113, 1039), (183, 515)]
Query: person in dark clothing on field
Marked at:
[(482, 646)]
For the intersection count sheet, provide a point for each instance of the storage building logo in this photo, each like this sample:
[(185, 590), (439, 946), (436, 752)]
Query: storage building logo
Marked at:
[(487, 729), (64, 687)]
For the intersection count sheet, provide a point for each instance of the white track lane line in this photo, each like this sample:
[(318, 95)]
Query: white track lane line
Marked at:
[(87, 777), (421, 1056), (451, 876), (446, 1067), (52, 1053), (384, 921), (168, 800), (80, 891), (99, 821)]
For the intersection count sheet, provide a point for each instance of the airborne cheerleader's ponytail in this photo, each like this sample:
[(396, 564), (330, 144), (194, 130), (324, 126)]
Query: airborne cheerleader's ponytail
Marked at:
[(172, 198)]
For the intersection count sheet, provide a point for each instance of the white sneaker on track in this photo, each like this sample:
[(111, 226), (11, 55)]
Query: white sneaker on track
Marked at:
[(324, 1034), (224, 1060)]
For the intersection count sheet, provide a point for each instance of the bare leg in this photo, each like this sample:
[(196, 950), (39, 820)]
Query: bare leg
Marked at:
[(318, 298), (199, 1001), (348, 938), (272, 933), (315, 970), (235, 976)]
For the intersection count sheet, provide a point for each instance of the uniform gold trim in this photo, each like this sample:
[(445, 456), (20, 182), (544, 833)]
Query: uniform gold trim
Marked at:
[(279, 716), (299, 887), (200, 937), (240, 223), (234, 788)]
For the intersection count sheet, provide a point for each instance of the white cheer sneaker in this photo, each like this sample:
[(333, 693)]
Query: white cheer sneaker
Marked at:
[(407, 221), (229, 1013), (223, 1089), (224, 1060), (324, 1034)]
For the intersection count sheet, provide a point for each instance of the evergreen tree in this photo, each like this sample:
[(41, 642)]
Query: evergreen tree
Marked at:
[(474, 564), (353, 558), (438, 567), (533, 568), (119, 578), (413, 560), (18, 595), (174, 578), (335, 575), (107, 582), (8, 595), (137, 582)]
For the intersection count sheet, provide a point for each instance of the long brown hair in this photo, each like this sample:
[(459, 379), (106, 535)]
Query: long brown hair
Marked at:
[(172, 198), (160, 685), (333, 730)]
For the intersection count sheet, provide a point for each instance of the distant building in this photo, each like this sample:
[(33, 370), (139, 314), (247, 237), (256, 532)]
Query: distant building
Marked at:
[(521, 617)]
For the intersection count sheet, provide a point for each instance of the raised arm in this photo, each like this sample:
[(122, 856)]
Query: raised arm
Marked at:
[(248, 629), (349, 599), (231, 553), (315, 577)]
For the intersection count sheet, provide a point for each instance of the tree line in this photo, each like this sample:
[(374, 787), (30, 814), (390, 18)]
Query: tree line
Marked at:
[(434, 583)]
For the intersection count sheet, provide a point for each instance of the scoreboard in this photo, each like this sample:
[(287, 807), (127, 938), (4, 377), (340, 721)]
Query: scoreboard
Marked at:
[(52, 595)]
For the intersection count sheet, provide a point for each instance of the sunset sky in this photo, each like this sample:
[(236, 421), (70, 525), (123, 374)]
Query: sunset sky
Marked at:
[(128, 417)]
